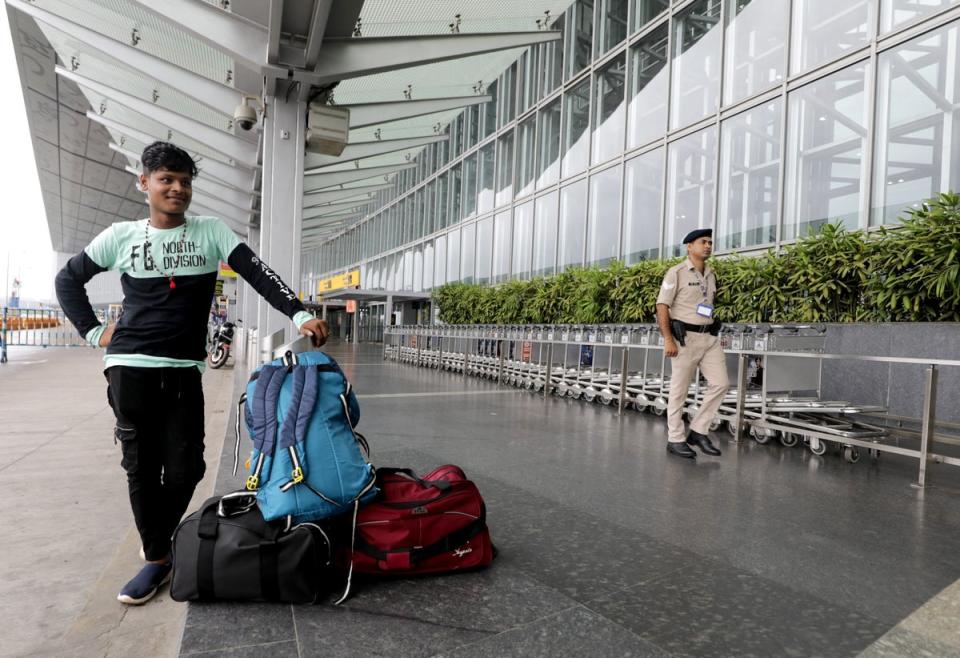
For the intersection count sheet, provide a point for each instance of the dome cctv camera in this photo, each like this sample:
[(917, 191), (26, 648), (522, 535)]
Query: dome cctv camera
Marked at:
[(245, 116)]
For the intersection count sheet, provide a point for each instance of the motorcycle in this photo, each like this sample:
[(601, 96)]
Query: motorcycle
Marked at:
[(220, 344)]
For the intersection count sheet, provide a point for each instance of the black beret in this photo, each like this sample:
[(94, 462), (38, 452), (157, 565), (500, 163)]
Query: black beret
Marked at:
[(699, 233)]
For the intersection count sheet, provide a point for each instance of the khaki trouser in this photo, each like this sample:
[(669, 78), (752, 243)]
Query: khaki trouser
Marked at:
[(703, 350)]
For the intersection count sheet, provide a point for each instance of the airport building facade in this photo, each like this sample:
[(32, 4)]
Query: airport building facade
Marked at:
[(760, 118)]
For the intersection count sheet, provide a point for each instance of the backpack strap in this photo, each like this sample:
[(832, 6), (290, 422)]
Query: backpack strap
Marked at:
[(264, 415), (353, 538), (308, 398), (236, 445), (293, 429), (361, 442), (305, 390)]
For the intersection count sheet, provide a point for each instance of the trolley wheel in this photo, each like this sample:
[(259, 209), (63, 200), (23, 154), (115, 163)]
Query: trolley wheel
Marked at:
[(851, 454), (658, 410), (820, 449), (789, 439), (715, 424), (760, 436), (732, 428)]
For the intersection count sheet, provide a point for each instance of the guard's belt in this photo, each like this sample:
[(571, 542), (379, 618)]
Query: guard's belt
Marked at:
[(699, 328)]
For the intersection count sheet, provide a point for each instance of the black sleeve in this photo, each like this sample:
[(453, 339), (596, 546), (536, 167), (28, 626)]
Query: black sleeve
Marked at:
[(72, 295), (264, 280)]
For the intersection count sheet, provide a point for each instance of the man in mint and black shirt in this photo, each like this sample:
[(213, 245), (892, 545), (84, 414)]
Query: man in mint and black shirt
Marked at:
[(155, 353)]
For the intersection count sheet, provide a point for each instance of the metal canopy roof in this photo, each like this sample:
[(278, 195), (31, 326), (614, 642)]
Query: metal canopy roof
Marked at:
[(101, 78), (360, 295)]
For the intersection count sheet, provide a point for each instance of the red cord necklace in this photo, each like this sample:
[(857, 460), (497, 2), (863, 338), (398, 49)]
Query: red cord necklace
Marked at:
[(182, 242)]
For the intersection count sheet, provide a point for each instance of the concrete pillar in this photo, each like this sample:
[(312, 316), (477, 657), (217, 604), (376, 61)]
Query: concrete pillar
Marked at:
[(388, 311), (323, 311), (282, 209), (249, 295)]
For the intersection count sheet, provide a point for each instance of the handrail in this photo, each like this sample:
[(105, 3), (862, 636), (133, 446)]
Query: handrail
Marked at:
[(428, 344)]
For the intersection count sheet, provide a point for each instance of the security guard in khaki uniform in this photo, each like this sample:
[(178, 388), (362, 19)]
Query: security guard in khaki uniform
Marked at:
[(685, 316)]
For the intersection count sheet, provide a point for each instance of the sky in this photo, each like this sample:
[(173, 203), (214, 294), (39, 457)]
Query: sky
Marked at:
[(25, 249)]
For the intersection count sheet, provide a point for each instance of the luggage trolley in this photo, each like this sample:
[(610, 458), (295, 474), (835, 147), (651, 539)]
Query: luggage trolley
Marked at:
[(782, 410), (605, 338), (567, 380)]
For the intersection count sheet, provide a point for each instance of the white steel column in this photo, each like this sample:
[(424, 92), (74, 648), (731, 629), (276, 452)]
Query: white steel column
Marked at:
[(250, 297), (281, 212)]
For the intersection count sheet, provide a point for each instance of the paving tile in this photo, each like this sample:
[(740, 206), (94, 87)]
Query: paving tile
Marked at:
[(216, 626), (853, 574), (903, 643), (335, 632), (764, 551), (581, 555), (938, 618), (709, 609), (491, 600), (286, 649), (576, 632)]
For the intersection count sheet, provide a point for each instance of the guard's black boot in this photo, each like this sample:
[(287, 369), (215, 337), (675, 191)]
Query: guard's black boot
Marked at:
[(703, 442), (680, 450)]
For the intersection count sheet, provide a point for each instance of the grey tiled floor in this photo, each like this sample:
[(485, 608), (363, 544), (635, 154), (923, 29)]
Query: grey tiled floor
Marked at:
[(609, 547)]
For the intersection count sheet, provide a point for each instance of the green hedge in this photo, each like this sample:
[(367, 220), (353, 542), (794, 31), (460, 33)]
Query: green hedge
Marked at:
[(907, 272)]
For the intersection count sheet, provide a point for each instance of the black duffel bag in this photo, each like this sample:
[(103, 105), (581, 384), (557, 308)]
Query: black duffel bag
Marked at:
[(225, 551)]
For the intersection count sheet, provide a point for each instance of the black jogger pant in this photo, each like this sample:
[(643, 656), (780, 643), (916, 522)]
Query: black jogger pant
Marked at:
[(160, 431)]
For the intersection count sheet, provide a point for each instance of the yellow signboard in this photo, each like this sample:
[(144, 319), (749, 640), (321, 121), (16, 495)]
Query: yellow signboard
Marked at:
[(347, 280), (227, 271)]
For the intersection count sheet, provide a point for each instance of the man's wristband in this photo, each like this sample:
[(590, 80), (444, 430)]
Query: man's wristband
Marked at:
[(300, 317), (93, 336)]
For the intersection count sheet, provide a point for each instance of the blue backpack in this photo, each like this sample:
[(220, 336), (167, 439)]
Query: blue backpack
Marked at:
[(308, 463)]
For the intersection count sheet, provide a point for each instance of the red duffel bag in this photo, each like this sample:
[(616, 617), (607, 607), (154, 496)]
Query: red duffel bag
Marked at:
[(433, 524)]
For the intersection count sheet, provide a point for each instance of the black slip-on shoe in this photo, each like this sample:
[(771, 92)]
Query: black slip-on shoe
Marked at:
[(703, 442), (680, 450)]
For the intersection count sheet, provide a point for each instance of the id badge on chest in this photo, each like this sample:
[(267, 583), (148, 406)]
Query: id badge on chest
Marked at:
[(705, 310)]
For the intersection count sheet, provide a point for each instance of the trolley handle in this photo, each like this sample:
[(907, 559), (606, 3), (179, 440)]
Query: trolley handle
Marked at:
[(768, 328)]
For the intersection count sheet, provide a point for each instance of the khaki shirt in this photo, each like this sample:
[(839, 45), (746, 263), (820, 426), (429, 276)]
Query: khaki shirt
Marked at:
[(684, 288)]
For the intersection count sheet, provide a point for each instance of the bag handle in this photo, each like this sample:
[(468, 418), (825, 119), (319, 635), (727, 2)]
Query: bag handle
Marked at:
[(442, 485), (248, 498), (207, 532), (407, 559)]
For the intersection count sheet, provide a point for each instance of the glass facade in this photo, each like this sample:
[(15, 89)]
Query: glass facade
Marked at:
[(760, 118), (827, 138), (603, 221), (648, 89), (573, 216), (749, 176)]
